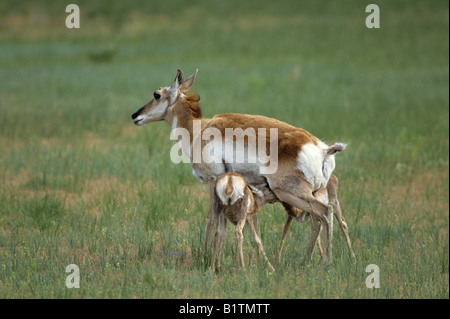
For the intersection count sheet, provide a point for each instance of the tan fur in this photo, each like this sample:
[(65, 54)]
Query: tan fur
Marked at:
[(290, 138), (186, 109), (229, 188)]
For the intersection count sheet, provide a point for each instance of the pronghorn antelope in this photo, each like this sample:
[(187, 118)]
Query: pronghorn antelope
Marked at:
[(304, 163), (234, 200)]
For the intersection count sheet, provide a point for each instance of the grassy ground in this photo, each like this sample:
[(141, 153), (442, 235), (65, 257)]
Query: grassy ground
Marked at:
[(80, 184)]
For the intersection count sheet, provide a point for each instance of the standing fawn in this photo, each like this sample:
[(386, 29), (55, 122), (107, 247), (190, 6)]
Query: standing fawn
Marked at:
[(235, 201)]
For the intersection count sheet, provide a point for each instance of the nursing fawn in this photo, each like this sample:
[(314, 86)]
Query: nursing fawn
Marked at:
[(236, 202)]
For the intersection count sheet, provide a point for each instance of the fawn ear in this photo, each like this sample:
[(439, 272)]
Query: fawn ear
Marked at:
[(189, 82), (178, 81)]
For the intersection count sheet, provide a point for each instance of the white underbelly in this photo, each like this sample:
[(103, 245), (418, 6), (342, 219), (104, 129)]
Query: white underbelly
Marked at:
[(250, 172), (219, 158)]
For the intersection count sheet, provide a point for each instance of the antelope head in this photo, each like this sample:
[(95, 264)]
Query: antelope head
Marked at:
[(163, 99)]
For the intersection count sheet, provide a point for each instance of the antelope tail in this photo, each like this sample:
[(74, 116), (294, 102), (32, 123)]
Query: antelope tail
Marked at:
[(336, 148)]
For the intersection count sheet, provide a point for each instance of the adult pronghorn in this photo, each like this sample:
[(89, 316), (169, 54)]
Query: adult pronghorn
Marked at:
[(303, 162)]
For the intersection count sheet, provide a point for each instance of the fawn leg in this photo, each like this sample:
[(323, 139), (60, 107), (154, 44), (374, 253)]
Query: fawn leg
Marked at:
[(240, 239), (210, 217), (222, 235), (332, 188), (283, 236), (259, 244), (317, 210), (216, 241)]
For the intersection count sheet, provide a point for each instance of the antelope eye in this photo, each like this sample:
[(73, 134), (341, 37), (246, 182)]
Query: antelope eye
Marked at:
[(156, 95)]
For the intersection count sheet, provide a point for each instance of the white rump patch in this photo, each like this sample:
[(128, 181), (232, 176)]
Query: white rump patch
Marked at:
[(315, 164), (238, 189)]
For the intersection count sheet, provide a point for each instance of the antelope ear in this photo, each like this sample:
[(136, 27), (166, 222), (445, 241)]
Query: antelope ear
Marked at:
[(189, 82), (178, 80)]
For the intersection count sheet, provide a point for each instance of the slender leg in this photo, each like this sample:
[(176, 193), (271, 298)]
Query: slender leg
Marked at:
[(216, 241), (260, 247), (306, 202), (327, 229), (223, 235), (240, 239), (329, 234), (255, 223), (316, 228), (332, 188), (319, 246), (344, 229), (209, 219), (322, 196), (285, 232), (255, 239)]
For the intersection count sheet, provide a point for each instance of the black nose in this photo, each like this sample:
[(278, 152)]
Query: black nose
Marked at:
[(138, 112)]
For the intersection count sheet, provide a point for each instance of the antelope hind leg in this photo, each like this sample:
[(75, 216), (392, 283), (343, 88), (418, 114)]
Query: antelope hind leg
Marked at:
[(307, 203)]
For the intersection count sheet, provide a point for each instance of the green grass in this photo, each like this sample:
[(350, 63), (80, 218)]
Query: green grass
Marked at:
[(80, 184)]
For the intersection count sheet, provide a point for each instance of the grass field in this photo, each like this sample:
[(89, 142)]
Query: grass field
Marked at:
[(80, 184)]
